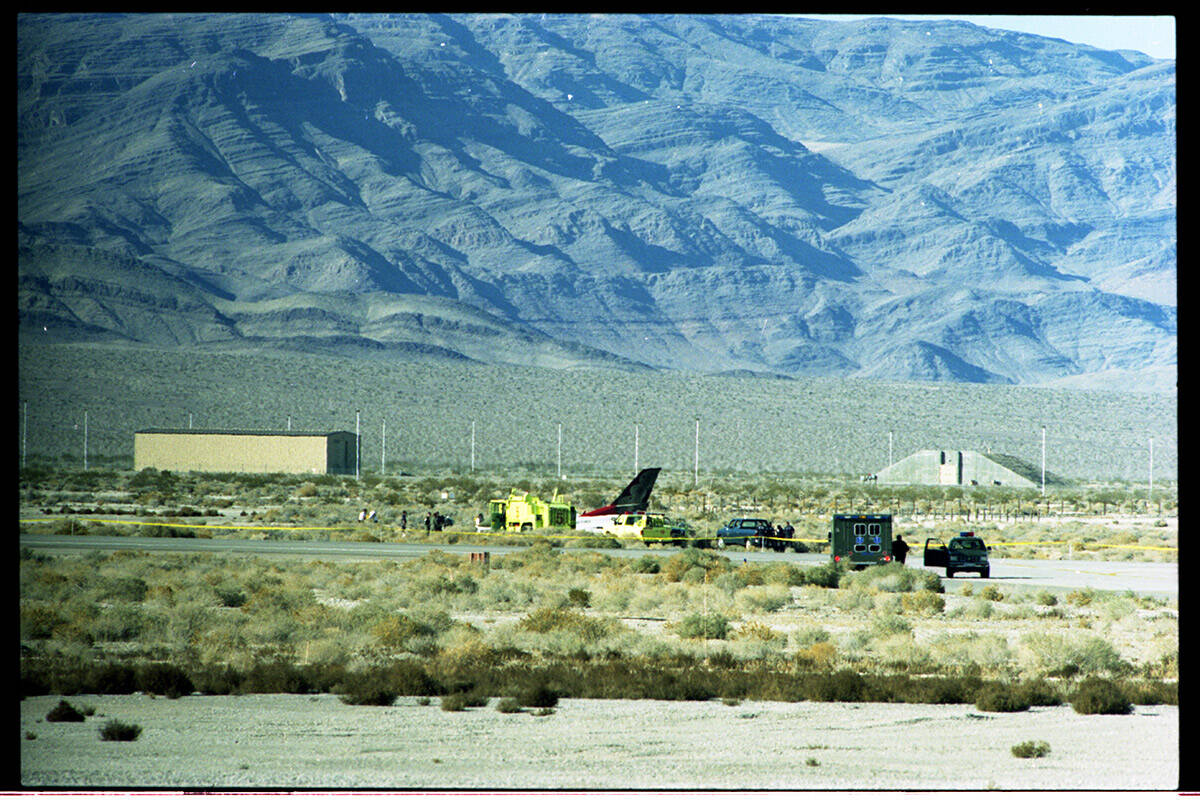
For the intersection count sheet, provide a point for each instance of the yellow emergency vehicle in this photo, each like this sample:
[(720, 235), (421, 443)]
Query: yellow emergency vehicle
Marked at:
[(521, 511), (650, 528)]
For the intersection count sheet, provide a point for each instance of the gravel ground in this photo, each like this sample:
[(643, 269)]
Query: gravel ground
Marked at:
[(316, 741)]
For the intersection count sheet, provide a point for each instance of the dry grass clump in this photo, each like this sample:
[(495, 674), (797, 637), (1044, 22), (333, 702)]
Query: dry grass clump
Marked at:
[(547, 619), (1031, 749), (922, 603), (1100, 696), (711, 625), (762, 599), (892, 578), (1068, 655), (757, 631), (117, 731), (369, 695), (988, 652), (65, 712), (1002, 698)]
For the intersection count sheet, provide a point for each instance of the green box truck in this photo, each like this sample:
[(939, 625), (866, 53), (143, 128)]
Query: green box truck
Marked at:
[(861, 540)]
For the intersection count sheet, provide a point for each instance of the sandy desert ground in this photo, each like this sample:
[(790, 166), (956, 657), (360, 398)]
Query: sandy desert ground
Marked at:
[(318, 742)]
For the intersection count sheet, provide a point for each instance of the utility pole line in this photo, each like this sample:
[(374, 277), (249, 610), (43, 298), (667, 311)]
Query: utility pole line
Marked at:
[(472, 445), (85, 442), (696, 464), (357, 444), (383, 450)]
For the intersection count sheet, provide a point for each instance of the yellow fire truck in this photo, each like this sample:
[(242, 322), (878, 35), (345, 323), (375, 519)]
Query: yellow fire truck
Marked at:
[(521, 511)]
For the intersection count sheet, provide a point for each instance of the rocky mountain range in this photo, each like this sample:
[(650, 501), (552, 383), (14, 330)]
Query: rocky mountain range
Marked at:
[(886, 199)]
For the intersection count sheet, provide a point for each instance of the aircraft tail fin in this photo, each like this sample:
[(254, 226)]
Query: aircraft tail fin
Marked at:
[(636, 496)]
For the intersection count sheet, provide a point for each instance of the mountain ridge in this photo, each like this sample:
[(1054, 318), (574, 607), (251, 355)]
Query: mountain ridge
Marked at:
[(932, 201)]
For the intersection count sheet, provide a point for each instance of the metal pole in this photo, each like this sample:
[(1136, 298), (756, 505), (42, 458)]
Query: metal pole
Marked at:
[(696, 464), (1150, 496), (85, 432), (472, 445), (190, 421), (1043, 459), (383, 448), (24, 430), (357, 444), (636, 442), (289, 422), (890, 461), (559, 473)]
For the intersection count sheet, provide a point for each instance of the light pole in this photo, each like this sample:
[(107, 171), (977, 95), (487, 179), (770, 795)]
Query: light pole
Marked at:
[(1043, 459), (696, 462), (636, 443), (1150, 496)]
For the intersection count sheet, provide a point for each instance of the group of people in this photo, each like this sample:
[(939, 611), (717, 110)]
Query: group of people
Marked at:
[(434, 520), (784, 531)]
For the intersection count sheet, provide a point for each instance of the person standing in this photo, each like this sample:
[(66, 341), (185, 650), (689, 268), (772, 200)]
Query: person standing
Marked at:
[(403, 521), (899, 548)]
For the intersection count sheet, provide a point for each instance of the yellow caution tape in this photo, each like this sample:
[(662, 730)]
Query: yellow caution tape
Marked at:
[(1083, 545)]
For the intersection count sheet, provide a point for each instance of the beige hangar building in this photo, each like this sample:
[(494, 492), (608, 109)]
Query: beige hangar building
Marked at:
[(187, 450)]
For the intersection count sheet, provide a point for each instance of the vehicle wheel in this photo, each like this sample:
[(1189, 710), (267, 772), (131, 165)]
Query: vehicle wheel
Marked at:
[(526, 527), (949, 573), (985, 573)]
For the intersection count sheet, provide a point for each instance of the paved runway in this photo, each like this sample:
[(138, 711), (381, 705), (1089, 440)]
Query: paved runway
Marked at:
[(1141, 577)]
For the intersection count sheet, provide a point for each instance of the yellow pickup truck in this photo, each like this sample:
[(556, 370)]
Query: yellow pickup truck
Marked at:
[(650, 528)]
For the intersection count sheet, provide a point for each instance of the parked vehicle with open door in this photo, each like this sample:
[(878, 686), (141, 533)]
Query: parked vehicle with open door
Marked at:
[(964, 553)]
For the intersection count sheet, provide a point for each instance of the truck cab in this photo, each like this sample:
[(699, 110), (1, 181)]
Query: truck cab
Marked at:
[(965, 553), (861, 540)]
